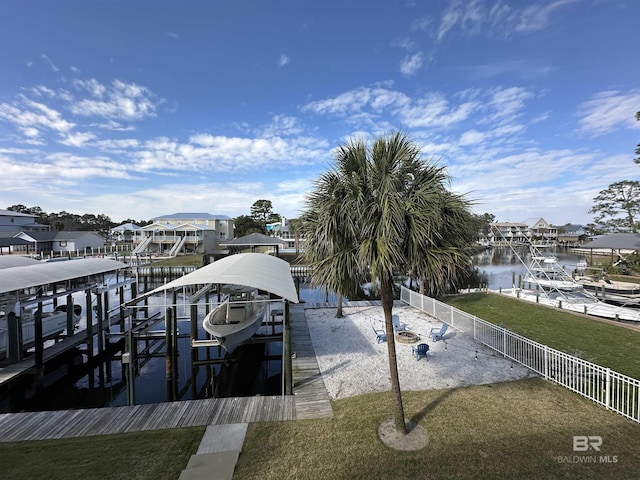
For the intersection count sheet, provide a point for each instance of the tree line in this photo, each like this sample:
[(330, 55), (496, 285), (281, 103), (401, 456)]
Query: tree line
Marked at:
[(261, 215)]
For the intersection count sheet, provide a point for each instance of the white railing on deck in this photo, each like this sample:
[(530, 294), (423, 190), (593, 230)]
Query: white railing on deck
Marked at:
[(602, 385)]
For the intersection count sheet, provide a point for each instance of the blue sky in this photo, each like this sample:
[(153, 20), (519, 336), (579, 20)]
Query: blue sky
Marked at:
[(136, 109)]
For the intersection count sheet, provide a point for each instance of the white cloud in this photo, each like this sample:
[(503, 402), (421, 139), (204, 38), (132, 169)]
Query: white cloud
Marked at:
[(172, 35), (29, 116), (480, 16), (409, 65), (49, 62), (119, 101), (471, 137), (78, 139), (283, 60), (608, 111)]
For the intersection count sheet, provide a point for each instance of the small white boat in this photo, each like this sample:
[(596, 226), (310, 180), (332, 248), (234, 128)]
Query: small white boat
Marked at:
[(53, 324), (236, 319)]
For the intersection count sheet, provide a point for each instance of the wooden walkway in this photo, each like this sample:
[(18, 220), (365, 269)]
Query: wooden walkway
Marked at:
[(310, 400), (309, 391)]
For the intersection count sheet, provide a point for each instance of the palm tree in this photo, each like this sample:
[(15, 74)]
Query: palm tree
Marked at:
[(384, 210)]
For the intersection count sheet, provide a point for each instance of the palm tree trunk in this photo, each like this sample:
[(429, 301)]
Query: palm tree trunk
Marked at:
[(386, 296), (339, 312)]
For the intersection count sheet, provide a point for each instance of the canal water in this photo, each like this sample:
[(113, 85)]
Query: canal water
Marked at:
[(253, 369), (501, 267)]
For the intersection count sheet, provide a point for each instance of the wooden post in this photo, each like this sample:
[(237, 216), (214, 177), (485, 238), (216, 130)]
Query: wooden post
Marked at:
[(70, 320), (39, 347), (286, 346), (168, 325), (89, 326), (14, 345), (121, 300), (100, 318)]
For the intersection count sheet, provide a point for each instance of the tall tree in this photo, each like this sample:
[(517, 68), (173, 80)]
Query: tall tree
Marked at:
[(245, 225), (262, 212), (618, 206), (384, 210)]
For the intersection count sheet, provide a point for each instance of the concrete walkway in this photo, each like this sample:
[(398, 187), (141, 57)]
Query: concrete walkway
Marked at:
[(217, 454)]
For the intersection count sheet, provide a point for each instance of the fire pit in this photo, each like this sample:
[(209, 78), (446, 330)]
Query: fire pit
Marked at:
[(407, 337)]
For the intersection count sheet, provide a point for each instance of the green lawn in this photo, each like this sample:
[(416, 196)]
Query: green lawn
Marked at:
[(601, 342), (512, 430), (158, 455)]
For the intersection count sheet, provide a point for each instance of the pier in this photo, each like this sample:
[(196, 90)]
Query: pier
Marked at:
[(309, 400)]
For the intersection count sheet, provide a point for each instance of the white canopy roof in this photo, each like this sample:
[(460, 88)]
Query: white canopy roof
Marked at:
[(8, 261), (44, 273), (257, 270)]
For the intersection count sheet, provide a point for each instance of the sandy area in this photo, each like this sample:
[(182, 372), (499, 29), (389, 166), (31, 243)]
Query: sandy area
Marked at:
[(353, 363)]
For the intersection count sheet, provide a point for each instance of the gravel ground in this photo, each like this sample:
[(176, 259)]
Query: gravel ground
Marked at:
[(353, 363)]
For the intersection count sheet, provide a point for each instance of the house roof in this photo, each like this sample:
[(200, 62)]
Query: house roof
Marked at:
[(70, 234), (13, 241), (125, 227), (40, 236), (622, 241), (182, 226), (11, 213), (191, 216)]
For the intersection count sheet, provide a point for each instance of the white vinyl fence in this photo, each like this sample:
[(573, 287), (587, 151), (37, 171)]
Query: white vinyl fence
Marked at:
[(602, 385)]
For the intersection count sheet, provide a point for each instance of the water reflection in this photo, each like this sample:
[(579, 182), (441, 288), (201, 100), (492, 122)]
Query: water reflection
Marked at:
[(503, 266)]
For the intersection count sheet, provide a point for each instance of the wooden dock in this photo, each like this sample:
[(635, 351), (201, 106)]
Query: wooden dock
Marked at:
[(309, 391), (310, 400)]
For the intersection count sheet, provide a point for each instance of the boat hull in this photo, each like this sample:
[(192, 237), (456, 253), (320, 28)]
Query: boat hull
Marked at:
[(230, 333)]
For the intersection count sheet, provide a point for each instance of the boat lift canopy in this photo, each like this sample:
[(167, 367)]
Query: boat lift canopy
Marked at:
[(257, 270), (44, 273)]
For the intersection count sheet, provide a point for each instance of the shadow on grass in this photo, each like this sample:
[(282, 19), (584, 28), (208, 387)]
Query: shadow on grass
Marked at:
[(431, 406)]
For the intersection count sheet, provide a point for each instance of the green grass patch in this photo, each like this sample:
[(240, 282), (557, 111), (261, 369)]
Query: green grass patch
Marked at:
[(601, 342), (158, 455), (500, 431), (179, 261)]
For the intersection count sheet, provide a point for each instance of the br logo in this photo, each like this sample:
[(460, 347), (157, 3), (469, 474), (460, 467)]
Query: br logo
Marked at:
[(582, 443)]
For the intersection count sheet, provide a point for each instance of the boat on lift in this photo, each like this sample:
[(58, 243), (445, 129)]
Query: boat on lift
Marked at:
[(237, 318)]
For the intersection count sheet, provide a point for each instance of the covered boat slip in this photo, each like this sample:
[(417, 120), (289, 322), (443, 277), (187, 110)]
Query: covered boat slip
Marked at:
[(28, 288), (256, 270)]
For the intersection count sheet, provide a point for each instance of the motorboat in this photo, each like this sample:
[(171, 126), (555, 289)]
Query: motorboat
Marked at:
[(544, 271), (549, 284), (237, 318), (54, 322)]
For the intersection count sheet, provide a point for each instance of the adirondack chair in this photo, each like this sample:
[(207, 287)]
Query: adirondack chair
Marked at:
[(420, 351), (381, 335), (438, 333), (397, 325)]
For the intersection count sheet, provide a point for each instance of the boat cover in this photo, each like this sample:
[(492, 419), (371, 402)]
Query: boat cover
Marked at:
[(258, 270), (44, 273)]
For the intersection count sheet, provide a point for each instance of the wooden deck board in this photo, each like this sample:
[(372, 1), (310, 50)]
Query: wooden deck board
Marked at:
[(310, 400)]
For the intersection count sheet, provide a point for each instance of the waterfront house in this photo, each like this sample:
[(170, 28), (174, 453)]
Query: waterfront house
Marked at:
[(514, 232), (542, 231), (125, 232), (184, 232), (572, 234), (15, 222), (61, 243)]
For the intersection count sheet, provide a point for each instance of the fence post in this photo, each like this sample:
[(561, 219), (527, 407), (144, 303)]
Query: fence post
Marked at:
[(475, 334), (546, 362), (504, 342), (607, 389)]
